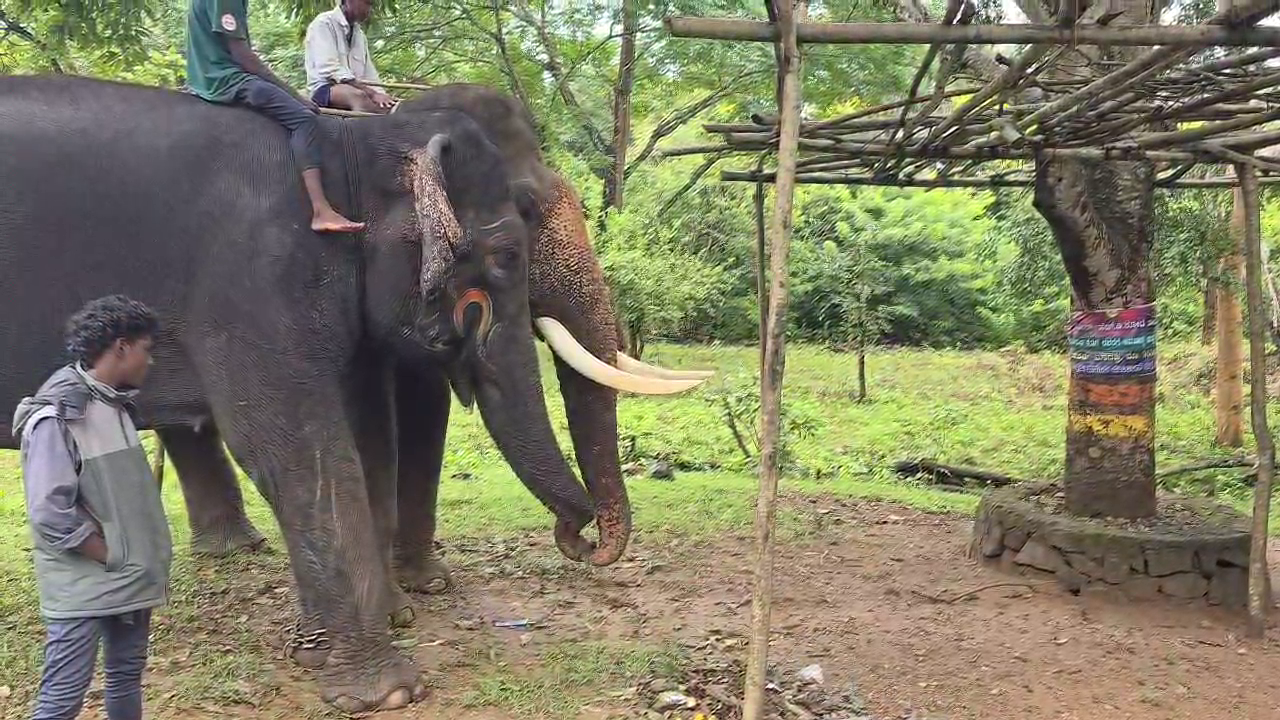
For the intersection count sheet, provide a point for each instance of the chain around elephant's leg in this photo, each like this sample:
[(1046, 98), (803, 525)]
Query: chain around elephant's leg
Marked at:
[(307, 642)]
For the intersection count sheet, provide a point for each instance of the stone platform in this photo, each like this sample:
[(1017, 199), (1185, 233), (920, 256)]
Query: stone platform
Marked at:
[(1192, 549)]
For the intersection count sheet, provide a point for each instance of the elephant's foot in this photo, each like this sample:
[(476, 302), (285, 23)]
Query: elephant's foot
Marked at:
[(308, 644), (225, 539), (356, 687), (427, 575)]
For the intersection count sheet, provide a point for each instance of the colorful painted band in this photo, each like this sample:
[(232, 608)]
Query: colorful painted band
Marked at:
[(1112, 396), (1131, 322), (1144, 367), (1120, 427), (1141, 342)]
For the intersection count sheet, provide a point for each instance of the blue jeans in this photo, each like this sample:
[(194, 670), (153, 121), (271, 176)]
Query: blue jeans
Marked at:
[(272, 100), (69, 655)]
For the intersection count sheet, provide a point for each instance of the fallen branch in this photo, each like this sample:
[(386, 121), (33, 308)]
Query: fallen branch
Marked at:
[(975, 591), (953, 475), (1214, 464)]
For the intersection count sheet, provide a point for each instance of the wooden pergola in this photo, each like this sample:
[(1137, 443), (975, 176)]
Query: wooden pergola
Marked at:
[(1035, 108)]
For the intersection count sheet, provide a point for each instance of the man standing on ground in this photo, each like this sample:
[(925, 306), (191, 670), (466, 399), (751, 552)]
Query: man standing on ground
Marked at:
[(340, 72), (223, 68), (102, 546)]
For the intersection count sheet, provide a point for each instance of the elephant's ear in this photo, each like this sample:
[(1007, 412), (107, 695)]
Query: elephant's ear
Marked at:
[(437, 223)]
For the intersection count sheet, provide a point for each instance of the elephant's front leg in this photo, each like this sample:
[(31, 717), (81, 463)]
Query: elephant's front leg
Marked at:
[(422, 407), (371, 406), (287, 426)]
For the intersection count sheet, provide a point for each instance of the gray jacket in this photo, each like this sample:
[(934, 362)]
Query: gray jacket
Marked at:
[(84, 468)]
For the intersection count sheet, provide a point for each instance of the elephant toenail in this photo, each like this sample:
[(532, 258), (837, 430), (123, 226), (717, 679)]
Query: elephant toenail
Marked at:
[(396, 700)]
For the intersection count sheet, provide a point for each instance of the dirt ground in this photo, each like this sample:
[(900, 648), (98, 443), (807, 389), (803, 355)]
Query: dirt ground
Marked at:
[(851, 599)]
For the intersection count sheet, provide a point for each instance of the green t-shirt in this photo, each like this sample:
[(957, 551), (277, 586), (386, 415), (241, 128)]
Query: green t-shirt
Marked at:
[(211, 72)]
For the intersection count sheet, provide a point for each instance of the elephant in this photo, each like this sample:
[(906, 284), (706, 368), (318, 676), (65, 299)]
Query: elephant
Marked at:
[(574, 312), (316, 361)]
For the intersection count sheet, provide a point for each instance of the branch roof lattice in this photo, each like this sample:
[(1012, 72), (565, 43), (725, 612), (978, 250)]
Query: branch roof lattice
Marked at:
[(1173, 105)]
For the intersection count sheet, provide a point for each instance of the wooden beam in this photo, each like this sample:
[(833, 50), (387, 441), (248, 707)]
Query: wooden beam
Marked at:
[(907, 33), (941, 152), (771, 371), (996, 181), (1259, 585)]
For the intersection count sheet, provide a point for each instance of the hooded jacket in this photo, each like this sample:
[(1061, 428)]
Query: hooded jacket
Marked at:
[(84, 469)]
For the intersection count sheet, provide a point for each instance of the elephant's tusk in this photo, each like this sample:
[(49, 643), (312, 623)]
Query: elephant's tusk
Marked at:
[(626, 363), (593, 368)]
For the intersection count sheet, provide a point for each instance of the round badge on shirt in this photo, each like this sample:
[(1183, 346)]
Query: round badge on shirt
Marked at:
[(229, 22)]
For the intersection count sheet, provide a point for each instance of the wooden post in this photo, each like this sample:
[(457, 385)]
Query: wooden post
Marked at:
[(1229, 374), (771, 372), (1259, 587)]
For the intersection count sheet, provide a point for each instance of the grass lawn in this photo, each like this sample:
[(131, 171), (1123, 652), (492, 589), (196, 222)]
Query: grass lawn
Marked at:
[(1002, 411)]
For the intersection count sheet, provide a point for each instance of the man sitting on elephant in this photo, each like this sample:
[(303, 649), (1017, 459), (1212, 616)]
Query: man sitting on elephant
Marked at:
[(223, 68), (340, 72)]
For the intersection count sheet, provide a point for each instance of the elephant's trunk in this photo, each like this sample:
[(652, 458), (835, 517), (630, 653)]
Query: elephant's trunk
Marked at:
[(565, 283), (509, 393)]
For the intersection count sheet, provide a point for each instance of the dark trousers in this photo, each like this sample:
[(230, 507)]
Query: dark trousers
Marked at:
[(69, 655), (272, 100)]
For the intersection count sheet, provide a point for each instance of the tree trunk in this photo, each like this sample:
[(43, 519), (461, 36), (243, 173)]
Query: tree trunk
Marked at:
[(1209, 320), (1259, 578), (616, 180), (1229, 375), (1101, 214), (862, 374)]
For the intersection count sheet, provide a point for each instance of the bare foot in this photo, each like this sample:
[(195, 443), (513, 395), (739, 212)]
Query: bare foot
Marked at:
[(331, 221)]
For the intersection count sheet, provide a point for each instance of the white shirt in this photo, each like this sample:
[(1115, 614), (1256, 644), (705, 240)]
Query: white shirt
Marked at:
[(330, 58)]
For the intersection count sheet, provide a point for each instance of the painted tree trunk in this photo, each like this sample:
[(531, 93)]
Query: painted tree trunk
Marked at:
[(1101, 214)]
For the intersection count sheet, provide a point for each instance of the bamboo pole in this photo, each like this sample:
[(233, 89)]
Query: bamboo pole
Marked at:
[(775, 353), (1259, 585), (994, 181), (908, 33)]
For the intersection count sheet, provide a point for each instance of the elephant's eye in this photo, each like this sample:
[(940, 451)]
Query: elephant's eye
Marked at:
[(507, 258)]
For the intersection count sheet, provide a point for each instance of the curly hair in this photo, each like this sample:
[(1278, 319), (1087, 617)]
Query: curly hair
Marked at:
[(97, 325)]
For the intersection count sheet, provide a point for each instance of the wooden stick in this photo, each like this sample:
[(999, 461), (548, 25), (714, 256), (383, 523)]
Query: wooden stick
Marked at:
[(775, 349), (909, 33), (399, 85), (997, 181), (339, 112), (1149, 64), (1259, 589)]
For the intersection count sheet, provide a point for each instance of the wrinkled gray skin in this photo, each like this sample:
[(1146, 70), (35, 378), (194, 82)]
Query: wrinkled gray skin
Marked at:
[(565, 282), (321, 362)]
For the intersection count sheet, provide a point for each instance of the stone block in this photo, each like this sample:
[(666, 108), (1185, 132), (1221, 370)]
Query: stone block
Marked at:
[(1083, 565), (1187, 585), (1116, 568), (1038, 555), (1234, 556), (992, 540), (1170, 560), (1229, 587), (1014, 539), (1142, 588)]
